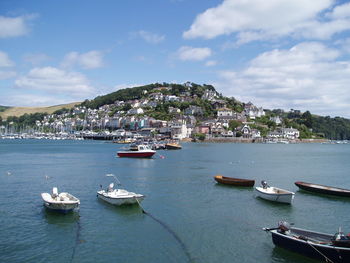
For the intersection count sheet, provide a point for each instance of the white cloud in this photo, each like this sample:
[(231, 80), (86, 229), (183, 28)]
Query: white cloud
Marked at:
[(307, 76), (5, 61), (191, 53), (149, 36), (8, 74), (90, 60), (53, 80), (31, 100), (262, 20), (211, 63), (15, 26)]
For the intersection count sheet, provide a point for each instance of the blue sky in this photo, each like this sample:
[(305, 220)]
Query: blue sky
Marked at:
[(288, 54)]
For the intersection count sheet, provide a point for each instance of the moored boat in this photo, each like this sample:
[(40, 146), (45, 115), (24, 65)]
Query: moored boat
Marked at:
[(60, 202), (324, 247), (274, 194), (323, 189), (173, 146), (119, 196), (234, 181), (137, 151)]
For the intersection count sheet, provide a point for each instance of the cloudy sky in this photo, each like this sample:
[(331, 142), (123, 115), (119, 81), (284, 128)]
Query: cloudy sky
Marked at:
[(288, 54)]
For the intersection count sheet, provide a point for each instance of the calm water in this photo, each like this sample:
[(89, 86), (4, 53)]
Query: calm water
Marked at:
[(215, 223)]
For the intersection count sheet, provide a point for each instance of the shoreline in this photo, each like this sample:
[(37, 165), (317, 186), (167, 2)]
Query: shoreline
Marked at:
[(249, 140)]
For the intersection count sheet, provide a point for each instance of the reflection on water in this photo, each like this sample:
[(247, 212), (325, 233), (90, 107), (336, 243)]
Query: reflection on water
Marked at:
[(283, 255), (234, 188), (123, 210), (59, 219), (324, 196)]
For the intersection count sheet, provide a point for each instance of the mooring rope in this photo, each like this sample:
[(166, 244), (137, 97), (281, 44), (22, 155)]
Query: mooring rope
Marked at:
[(171, 232), (77, 238), (177, 238), (327, 259)]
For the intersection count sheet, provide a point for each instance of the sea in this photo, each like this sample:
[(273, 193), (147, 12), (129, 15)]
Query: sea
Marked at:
[(187, 216)]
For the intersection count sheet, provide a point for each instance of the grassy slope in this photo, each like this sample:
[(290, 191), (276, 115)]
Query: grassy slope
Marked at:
[(19, 111)]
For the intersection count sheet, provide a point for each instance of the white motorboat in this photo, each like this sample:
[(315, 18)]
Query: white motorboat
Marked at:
[(119, 196), (274, 194), (137, 151), (60, 202)]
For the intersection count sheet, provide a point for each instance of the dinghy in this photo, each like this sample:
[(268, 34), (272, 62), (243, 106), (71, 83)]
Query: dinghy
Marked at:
[(323, 189), (60, 202), (274, 194), (324, 247), (234, 181)]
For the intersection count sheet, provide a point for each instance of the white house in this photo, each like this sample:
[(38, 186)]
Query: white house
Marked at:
[(277, 120), (224, 112), (171, 98), (290, 133), (252, 111), (179, 130), (135, 111)]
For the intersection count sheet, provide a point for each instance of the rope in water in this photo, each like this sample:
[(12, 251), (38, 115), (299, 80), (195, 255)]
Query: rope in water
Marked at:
[(171, 232), (165, 226), (77, 239)]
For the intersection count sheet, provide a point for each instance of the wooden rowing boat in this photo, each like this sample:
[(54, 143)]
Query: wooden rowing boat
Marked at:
[(323, 189), (234, 181)]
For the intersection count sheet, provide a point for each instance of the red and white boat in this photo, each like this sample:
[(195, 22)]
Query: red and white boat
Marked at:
[(137, 151)]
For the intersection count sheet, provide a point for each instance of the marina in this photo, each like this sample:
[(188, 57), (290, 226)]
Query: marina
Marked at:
[(205, 216)]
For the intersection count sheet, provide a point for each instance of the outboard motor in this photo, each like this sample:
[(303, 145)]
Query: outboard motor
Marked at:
[(283, 227), (340, 240), (264, 184), (54, 192)]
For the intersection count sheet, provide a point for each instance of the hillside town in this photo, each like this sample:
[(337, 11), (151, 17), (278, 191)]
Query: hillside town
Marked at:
[(129, 120)]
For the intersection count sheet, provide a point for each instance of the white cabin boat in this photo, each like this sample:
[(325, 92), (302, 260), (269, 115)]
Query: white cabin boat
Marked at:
[(60, 202), (274, 194), (137, 151), (119, 196)]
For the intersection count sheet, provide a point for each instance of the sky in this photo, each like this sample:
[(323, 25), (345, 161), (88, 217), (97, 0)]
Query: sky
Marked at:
[(277, 54)]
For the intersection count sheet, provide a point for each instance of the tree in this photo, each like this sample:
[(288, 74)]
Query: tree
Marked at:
[(233, 124), (200, 136), (307, 119)]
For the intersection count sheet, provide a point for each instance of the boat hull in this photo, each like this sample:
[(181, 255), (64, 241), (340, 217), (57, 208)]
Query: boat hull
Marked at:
[(173, 146), (61, 208), (322, 189), (234, 181), (136, 154), (310, 249), (275, 197), (63, 203), (123, 200)]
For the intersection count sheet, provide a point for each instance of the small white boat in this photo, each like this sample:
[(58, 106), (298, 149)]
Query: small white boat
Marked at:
[(274, 194), (60, 202), (119, 196)]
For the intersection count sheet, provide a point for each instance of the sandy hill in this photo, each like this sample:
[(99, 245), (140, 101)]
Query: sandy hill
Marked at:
[(19, 111)]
